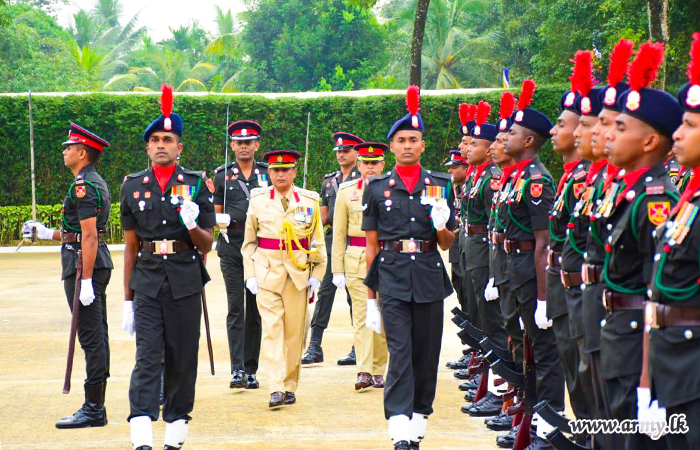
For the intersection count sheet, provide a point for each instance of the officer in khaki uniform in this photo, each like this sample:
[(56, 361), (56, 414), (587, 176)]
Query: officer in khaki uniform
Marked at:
[(349, 264), (283, 261)]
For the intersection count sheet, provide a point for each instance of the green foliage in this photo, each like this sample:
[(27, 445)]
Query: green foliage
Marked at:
[(122, 119)]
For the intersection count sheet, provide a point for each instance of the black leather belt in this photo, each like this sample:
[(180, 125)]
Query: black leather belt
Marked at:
[(410, 246), (165, 247)]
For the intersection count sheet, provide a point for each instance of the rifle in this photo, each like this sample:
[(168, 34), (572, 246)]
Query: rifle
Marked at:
[(73, 323), (560, 442), (552, 417), (499, 352), (206, 328), (529, 396)]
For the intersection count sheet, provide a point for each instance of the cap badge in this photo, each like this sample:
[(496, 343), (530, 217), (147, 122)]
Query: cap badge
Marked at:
[(633, 101), (586, 105), (465, 130), (280, 159), (244, 132), (610, 96), (370, 150), (503, 124), (168, 124), (339, 141), (519, 116), (570, 97), (477, 130), (693, 99)]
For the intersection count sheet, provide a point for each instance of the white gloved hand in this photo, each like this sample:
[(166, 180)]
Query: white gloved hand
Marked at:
[(649, 412), (128, 317), (87, 293), (339, 280), (541, 315), (312, 284), (440, 213), (522, 324), (189, 211), (491, 291), (42, 232), (223, 219), (374, 317), (252, 285)]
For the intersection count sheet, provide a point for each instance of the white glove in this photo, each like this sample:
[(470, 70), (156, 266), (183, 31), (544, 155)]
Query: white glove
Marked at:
[(522, 324), (374, 317), (42, 232), (189, 211), (649, 412), (440, 213), (339, 280), (223, 219), (252, 285), (87, 293), (541, 315), (312, 284), (491, 291), (128, 317)]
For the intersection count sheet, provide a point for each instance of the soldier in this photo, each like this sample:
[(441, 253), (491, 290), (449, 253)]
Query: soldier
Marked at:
[(457, 168), (346, 156), (643, 199), (350, 266), (283, 260), (672, 319), (237, 180), (527, 237), (167, 215), (568, 192), (408, 213), (84, 215)]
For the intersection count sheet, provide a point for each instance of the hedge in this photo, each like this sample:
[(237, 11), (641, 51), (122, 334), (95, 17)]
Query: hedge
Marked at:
[(121, 120)]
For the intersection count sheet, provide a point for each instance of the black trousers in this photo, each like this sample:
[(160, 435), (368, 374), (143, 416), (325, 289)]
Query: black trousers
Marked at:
[(92, 326), (600, 410), (169, 327), (550, 376), (324, 302), (492, 322), (622, 399), (457, 282), (243, 324), (414, 338), (691, 439), (511, 318)]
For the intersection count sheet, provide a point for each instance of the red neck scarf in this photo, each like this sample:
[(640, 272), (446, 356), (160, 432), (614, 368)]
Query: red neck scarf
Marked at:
[(409, 175), (629, 179), (568, 168), (479, 169), (610, 175), (163, 175), (690, 190), (520, 166), (595, 169), (507, 172)]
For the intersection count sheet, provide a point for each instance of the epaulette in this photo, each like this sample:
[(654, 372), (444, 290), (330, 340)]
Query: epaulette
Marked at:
[(579, 173), (655, 186), (349, 183), (496, 172), (262, 164), (135, 174), (197, 173), (258, 191), (307, 193), (535, 172), (674, 165), (221, 167), (332, 174), (379, 177), (444, 176)]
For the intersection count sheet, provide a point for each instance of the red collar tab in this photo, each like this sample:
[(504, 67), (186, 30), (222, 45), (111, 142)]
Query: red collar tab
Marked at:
[(521, 165), (594, 169), (507, 171), (629, 179), (480, 169)]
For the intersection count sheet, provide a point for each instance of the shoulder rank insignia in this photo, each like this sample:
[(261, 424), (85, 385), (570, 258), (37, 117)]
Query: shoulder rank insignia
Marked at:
[(80, 191), (580, 174), (655, 190), (536, 189), (210, 185), (658, 212)]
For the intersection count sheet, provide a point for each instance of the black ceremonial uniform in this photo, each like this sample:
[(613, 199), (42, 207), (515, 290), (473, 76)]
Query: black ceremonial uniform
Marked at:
[(167, 289), (326, 292), (528, 204), (468, 302), (674, 169), (683, 179), (454, 252), (88, 197), (563, 305), (633, 214), (243, 324), (478, 199), (411, 286)]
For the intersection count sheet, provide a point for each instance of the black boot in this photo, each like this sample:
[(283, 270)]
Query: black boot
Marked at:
[(314, 354), (348, 360), (92, 414)]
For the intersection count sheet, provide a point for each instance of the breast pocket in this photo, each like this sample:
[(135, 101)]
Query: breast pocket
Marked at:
[(355, 216), (391, 218), (353, 257), (143, 212)]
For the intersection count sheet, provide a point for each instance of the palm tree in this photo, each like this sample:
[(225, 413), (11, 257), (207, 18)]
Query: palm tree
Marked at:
[(223, 50)]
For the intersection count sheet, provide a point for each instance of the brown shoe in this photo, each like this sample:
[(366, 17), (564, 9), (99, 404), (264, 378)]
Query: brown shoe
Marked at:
[(276, 399), (378, 381), (364, 380), (289, 398)]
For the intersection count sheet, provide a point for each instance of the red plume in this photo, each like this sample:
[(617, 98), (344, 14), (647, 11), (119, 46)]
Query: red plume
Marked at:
[(413, 103), (619, 60), (166, 100), (694, 65), (507, 105), (583, 68), (482, 113), (526, 94), (471, 112), (645, 67), (464, 113)]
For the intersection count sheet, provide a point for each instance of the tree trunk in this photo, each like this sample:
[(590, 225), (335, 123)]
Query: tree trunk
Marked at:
[(657, 12), (417, 41)]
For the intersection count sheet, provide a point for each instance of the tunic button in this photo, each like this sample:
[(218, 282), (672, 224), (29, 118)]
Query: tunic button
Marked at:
[(649, 293), (413, 257), (438, 264), (162, 199), (688, 334), (139, 254), (165, 256), (381, 259), (413, 219), (410, 197), (609, 226), (602, 323), (193, 257), (517, 251), (583, 286), (163, 222), (657, 257), (634, 324)]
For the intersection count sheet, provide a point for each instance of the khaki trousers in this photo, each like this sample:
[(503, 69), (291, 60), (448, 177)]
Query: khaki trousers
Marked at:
[(283, 326), (370, 348)]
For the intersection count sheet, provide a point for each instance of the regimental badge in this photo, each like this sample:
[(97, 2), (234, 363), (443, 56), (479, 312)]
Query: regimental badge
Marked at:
[(137, 194), (210, 185), (495, 185), (387, 193), (80, 191), (658, 212), (280, 159), (535, 190), (147, 194), (328, 184), (578, 189)]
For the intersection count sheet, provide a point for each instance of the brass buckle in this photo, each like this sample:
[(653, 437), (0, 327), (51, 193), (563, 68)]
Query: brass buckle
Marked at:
[(607, 304), (409, 246), (163, 247), (651, 318)]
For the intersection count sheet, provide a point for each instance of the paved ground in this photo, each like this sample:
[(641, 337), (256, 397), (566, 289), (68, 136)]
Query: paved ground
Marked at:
[(329, 414)]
